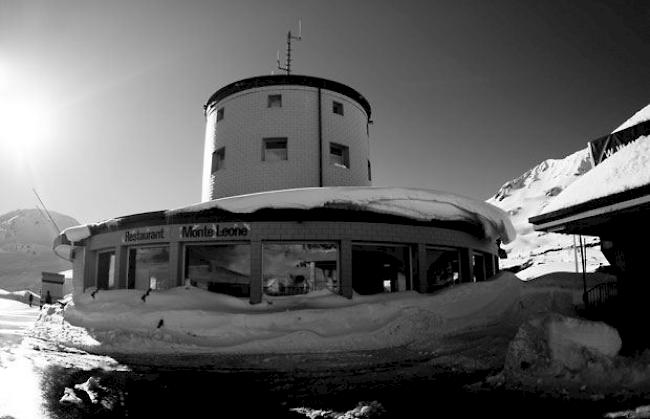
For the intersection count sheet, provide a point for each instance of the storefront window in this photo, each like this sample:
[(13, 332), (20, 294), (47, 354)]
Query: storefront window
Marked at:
[(478, 259), (223, 268), (106, 270), (291, 269), (149, 268), (380, 268), (442, 268)]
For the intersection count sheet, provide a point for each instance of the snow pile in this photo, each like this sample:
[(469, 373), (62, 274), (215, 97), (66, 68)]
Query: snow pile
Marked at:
[(553, 350), (195, 320), (418, 204), (22, 296), (641, 116), (626, 169), (372, 409)]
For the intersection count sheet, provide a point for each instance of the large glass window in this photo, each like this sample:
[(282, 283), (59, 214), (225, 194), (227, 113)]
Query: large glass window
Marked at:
[(298, 268), (274, 149), (149, 268), (478, 260), (442, 268), (380, 268), (106, 270), (222, 268)]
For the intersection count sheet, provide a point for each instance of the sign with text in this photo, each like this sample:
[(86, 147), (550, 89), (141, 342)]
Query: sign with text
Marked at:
[(154, 234), (213, 231)]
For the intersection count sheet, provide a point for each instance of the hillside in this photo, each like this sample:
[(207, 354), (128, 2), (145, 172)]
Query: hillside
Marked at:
[(26, 237), (530, 194)]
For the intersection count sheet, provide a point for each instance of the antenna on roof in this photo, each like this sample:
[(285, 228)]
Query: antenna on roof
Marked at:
[(58, 230), (290, 37)]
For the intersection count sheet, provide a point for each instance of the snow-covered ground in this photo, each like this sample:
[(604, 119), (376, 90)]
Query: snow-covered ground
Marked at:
[(189, 319)]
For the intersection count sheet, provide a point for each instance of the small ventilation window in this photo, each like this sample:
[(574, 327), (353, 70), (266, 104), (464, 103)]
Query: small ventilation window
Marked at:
[(339, 155), (220, 113), (275, 101), (337, 107), (218, 159), (274, 149)]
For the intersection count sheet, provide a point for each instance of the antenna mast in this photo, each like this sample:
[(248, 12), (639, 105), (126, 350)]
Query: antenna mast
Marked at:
[(47, 212), (290, 37)]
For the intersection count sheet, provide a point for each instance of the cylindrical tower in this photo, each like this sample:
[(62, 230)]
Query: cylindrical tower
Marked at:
[(285, 131)]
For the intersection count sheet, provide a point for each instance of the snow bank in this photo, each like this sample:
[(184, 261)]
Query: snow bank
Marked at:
[(200, 321), (22, 296), (77, 233), (626, 169), (418, 204), (554, 348)]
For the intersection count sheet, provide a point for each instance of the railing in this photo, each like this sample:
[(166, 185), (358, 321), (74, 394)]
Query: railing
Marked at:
[(601, 294)]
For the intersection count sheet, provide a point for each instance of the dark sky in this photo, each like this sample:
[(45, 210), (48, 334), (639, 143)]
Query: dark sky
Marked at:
[(101, 102)]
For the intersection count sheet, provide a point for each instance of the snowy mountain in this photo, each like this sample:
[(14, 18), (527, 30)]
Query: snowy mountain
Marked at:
[(529, 194), (26, 237)]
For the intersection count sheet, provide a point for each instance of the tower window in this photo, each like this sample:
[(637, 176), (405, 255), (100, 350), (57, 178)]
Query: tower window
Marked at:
[(340, 155), (220, 112), (369, 172), (218, 159), (275, 101), (274, 149), (337, 107)]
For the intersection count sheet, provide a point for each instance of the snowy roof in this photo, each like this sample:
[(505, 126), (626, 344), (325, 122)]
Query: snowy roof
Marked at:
[(641, 116), (627, 169), (416, 204)]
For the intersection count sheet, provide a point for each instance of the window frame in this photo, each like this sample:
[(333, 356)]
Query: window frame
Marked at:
[(338, 106), (116, 284), (221, 113), (345, 155), (216, 153), (268, 140), (274, 101), (147, 245), (185, 246)]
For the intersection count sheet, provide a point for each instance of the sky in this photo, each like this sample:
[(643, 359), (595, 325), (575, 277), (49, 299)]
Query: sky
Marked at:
[(101, 103)]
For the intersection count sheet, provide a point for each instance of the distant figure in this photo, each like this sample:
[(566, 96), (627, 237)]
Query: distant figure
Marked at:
[(31, 298), (48, 298)]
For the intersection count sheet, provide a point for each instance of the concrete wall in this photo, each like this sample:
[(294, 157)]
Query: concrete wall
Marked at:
[(248, 119)]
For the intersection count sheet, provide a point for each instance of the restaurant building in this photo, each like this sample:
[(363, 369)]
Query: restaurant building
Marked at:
[(288, 209)]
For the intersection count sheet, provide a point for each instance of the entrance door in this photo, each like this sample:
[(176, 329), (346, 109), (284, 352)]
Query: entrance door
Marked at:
[(106, 270)]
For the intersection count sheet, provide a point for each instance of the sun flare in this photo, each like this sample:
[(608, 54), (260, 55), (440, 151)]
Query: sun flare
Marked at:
[(23, 126)]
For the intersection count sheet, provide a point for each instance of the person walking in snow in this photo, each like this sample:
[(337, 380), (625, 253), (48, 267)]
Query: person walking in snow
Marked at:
[(48, 298)]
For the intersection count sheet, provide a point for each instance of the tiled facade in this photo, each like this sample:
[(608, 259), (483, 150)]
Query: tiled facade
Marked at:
[(247, 120)]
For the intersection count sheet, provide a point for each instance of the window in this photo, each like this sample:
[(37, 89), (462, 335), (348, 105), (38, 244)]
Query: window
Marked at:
[(299, 268), (275, 101), (220, 112), (106, 270), (149, 268), (378, 268), (218, 158), (274, 149), (340, 155), (442, 267), (222, 268), (369, 172), (478, 260), (337, 107)]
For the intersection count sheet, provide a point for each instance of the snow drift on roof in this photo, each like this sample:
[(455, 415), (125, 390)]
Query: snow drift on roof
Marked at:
[(641, 116), (417, 204), (626, 169)]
